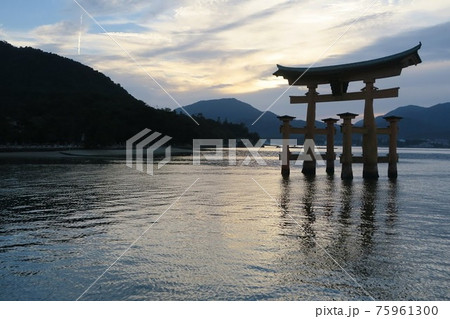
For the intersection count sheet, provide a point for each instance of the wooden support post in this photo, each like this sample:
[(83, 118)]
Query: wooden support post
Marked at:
[(370, 147), (393, 156), (331, 156), (309, 167), (346, 159), (285, 153)]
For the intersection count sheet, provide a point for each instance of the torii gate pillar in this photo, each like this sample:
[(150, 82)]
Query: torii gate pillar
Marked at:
[(330, 155), (285, 153), (370, 145), (309, 167), (347, 157), (393, 156)]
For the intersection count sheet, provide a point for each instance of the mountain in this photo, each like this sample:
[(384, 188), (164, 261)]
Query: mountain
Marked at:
[(49, 99), (424, 122), (235, 111), (421, 124)]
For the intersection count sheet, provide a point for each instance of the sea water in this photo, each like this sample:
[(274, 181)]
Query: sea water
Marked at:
[(214, 231)]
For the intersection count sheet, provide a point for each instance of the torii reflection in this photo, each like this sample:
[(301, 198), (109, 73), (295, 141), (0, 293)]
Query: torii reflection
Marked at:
[(342, 214), (391, 204)]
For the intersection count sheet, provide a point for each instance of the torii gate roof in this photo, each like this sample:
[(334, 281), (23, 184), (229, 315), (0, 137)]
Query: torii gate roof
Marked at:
[(388, 66)]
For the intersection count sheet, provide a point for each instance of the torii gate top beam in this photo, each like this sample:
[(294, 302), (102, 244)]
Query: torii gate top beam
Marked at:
[(338, 76)]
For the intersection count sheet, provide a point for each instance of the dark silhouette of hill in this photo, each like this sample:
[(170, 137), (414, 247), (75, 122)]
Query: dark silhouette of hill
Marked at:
[(235, 111), (420, 123), (49, 99)]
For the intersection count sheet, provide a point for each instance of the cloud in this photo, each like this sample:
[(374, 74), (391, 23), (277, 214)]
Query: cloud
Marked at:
[(231, 47), (121, 7), (259, 16), (55, 31), (367, 20), (435, 45)]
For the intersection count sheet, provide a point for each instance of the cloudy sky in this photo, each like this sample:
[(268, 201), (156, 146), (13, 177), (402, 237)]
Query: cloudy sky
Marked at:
[(204, 49)]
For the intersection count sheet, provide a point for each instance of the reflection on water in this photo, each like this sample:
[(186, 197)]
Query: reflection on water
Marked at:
[(391, 204), (368, 208), (346, 203), (329, 189), (225, 239), (285, 194), (345, 218), (340, 199)]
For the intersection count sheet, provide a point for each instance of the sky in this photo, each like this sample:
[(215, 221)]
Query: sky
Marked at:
[(172, 53)]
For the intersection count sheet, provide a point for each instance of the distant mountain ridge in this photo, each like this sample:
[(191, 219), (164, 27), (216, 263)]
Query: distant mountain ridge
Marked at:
[(235, 111), (46, 98), (226, 109), (424, 122), (419, 125)]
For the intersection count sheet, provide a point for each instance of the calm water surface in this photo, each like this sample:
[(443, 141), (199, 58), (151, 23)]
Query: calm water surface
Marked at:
[(239, 233)]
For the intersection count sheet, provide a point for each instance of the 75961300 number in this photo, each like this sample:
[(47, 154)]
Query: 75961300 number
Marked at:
[(407, 310)]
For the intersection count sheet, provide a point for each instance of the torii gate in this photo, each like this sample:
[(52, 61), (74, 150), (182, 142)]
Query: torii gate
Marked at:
[(339, 76)]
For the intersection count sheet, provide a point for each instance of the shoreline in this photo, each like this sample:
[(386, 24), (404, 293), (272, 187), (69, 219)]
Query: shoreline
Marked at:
[(77, 155)]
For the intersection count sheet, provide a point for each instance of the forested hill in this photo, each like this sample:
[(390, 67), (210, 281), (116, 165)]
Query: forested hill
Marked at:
[(49, 99)]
